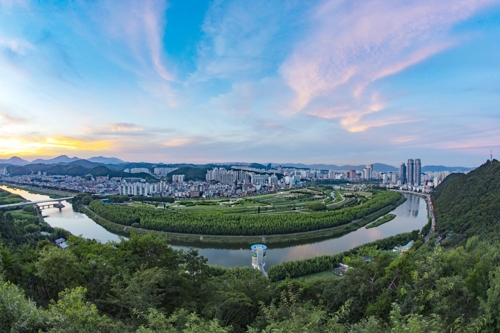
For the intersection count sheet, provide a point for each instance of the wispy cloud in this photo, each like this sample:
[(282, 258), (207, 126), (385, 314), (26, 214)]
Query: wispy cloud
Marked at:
[(353, 44), (140, 26), (15, 45), (7, 118), (242, 38), (124, 127), (180, 142)]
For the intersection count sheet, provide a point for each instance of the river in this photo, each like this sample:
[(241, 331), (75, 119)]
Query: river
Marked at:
[(410, 215)]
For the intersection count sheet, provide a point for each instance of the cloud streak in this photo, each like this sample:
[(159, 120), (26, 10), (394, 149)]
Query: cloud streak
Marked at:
[(140, 26), (49, 145), (355, 43), (282, 80)]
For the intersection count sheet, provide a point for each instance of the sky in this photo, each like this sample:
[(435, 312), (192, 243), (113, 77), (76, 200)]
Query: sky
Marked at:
[(337, 82)]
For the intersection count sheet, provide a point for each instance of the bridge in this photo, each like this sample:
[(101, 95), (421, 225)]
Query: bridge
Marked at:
[(40, 203)]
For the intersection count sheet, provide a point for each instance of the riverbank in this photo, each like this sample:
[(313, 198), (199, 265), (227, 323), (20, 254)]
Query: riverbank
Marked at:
[(380, 221), (236, 253), (52, 193)]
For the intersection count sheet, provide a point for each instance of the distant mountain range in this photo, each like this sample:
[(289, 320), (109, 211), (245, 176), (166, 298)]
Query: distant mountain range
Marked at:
[(61, 159), (378, 167), (116, 164), (76, 168), (56, 160), (434, 168)]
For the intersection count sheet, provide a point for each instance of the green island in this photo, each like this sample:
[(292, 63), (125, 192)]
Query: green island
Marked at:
[(380, 221), (449, 283), (280, 217)]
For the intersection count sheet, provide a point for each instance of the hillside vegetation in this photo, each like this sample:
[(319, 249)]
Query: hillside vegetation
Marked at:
[(468, 204), (190, 173), (142, 285), (74, 169)]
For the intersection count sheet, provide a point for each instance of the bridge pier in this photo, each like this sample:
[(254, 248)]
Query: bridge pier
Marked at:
[(59, 205), (38, 214)]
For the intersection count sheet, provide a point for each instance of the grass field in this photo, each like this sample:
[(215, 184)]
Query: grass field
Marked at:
[(326, 274), (295, 201)]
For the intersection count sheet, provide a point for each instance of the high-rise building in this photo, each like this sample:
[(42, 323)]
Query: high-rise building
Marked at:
[(402, 173), (368, 171), (177, 178), (394, 178), (410, 172), (418, 172)]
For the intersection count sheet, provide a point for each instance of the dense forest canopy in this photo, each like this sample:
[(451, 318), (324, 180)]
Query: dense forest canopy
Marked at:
[(143, 285), (468, 204)]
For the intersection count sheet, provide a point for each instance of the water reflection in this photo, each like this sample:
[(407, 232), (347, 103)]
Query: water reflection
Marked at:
[(412, 204), (407, 219), (76, 223), (230, 255)]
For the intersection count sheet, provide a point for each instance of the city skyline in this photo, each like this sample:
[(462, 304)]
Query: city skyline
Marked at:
[(332, 82), (104, 160)]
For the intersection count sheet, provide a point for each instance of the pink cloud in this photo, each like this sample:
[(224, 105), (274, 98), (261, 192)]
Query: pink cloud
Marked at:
[(352, 44)]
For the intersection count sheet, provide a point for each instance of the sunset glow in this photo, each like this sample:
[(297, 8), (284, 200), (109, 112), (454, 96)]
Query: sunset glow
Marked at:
[(316, 82)]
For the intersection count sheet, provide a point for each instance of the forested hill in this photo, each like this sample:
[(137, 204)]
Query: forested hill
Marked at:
[(468, 204), (142, 285)]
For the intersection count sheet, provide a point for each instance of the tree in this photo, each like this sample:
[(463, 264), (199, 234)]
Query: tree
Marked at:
[(18, 314), (187, 322), (59, 269), (72, 314)]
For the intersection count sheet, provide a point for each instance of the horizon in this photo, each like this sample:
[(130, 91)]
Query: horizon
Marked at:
[(323, 82), (32, 159)]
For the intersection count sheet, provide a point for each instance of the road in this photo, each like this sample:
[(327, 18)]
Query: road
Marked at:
[(430, 210)]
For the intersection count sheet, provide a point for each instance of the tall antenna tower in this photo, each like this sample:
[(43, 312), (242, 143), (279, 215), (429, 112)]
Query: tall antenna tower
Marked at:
[(491, 156)]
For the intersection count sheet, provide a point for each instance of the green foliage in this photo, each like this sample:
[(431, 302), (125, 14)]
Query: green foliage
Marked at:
[(191, 323), (317, 206), (143, 285), (7, 198), (242, 224), (153, 199), (18, 314), (59, 269), (467, 205), (73, 314), (380, 221), (427, 226), (298, 268), (190, 173)]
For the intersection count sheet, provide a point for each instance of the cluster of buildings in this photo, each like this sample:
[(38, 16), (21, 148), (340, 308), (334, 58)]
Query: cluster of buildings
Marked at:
[(219, 182), (233, 176), (411, 173), (159, 171), (238, 180), (96, 185)]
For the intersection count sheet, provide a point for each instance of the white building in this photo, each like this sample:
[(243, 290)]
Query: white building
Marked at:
[(178, 178), (163, 171)]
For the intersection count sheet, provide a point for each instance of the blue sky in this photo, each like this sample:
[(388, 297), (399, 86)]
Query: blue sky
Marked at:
[(265, 81)]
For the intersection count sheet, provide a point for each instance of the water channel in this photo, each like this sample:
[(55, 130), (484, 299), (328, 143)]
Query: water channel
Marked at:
[(410, 215)]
